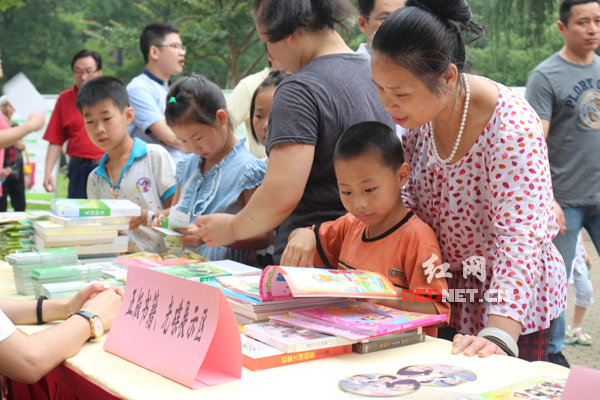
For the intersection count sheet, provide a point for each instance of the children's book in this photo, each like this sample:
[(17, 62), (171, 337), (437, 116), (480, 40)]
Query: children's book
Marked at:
[(194, 272), (48, 227), (248, 285), (345, 333), (542, 387), (259, 356), (152, 263), (368, 319), (77, 221), (291, 339), (76, 236), (279, 283), (95, 208)]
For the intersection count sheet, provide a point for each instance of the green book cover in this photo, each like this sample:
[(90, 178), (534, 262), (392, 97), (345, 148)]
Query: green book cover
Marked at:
[(194, 272), (95, 208)]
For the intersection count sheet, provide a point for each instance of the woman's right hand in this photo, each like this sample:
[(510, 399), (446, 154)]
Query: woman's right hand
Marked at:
[(36, 121), (300, 250), (105, 305), (560, 218)]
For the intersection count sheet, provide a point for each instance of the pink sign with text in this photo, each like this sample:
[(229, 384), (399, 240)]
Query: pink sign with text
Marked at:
[(183, 330)]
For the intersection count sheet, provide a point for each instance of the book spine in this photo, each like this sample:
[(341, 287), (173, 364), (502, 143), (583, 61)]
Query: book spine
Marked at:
[(363, 348), (259, 364), (314, 345), (287, 348), (393, 336)]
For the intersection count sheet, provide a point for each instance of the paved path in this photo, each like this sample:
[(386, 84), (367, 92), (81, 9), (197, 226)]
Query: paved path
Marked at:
[(588, 356)]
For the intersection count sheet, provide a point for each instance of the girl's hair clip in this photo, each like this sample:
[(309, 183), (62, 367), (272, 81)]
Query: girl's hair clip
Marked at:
[(172, 99)]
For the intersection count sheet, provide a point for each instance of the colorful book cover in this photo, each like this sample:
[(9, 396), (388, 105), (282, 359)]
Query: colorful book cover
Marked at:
[(150, 263), (95, 208), (195, 272), (228, 292), (543, 387), (291, 339), (368, 319), (248, 285), (258, 356), (233, 267), (279, 283)]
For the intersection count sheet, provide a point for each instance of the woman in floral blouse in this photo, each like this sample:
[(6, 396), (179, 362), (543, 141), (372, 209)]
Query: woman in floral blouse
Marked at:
[(479, 177)]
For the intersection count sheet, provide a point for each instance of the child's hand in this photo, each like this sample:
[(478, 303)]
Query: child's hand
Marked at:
[(156, 222), (300, 250), (136, 222), (191, 239)]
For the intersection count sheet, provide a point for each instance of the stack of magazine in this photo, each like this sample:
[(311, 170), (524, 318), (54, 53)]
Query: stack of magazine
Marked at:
[(304, 331), (91, 227), (23, 265)]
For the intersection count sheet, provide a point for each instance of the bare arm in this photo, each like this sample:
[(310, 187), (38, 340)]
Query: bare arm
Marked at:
[(546, 126), (166, 135), (8, 137), (560, 215), (29, 358), (281, 191), (52, 156)]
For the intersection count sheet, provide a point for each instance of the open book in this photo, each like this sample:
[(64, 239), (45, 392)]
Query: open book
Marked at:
[(285, 283)]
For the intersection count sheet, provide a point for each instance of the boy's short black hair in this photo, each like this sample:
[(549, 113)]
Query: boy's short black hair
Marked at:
[(565, 12), (371, 136), (154, 35), (102, 88), (87, 53)]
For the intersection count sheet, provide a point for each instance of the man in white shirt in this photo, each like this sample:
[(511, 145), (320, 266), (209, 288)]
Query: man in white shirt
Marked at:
[(372, 15), (164, 54)]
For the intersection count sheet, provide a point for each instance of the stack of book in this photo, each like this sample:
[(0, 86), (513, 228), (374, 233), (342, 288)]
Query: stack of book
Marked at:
[(371, 327), (280, 344), (16, 232), (23, 265), (73, 273), (89, 226)]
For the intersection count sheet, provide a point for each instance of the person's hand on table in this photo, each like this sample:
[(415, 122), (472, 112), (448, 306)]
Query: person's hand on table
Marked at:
[(191, 239), (560, 218), (300, 250), (88, 293), (105, 305), (470, 345), (216, 229)]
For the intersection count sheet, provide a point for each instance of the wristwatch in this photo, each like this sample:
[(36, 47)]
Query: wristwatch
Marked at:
[(150, 218), (96, 327)]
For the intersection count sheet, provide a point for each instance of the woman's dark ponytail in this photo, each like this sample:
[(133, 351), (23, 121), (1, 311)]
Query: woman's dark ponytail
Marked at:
[(425, 37)]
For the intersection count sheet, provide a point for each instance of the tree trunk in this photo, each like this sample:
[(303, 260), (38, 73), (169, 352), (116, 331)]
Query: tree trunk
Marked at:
[(233, 76)]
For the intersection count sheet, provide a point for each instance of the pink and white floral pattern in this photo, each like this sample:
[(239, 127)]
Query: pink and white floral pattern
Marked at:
[(495, 202)]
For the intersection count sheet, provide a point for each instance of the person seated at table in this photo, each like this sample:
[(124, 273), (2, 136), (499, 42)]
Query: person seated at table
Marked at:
[(379, 233), (131, 168), (87, 315)]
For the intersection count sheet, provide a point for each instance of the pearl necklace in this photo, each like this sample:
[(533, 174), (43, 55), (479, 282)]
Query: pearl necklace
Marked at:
[(460, 131)]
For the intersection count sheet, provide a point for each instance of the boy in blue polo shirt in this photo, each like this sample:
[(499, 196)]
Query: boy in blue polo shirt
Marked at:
[(131, 169)]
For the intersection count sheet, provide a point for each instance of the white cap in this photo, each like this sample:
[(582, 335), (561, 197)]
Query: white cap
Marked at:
[(3, 100)]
